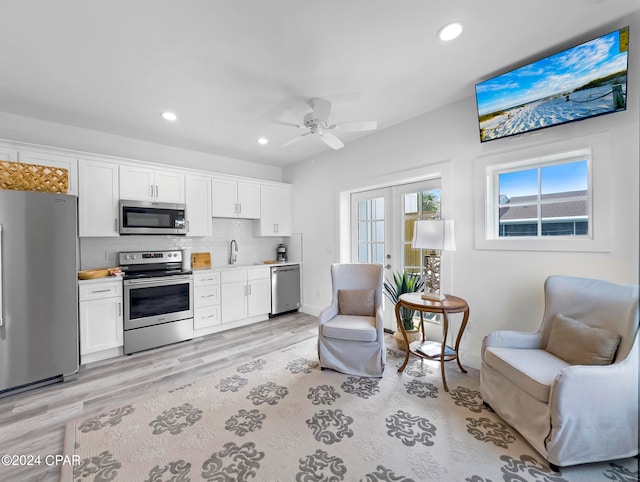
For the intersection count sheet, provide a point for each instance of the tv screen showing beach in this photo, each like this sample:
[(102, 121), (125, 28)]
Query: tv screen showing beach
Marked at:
[(587, 80)]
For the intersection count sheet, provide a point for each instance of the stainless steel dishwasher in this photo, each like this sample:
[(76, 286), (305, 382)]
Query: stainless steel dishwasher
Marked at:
[(285, 288)]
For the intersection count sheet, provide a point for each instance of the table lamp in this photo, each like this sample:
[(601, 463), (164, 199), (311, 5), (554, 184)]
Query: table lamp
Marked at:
[(433, 234)]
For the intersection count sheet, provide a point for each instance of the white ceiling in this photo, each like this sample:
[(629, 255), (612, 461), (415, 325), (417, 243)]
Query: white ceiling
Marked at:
[(236, 70)]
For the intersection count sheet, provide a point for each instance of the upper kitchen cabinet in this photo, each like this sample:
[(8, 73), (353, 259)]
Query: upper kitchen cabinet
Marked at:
[(232, 198), (198, 201), (145, 184), (275, 204), (54, 160), (98, 198), (8, 154)]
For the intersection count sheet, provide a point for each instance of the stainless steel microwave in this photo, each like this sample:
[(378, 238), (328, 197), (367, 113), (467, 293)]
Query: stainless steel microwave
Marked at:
[(145, 217)]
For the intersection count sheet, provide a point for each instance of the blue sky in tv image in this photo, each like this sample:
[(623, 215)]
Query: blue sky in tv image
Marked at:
[(558, 73), (573, 84)]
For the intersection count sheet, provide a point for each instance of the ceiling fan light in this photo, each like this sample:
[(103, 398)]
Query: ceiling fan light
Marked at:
[(169, 116), (450, 31)]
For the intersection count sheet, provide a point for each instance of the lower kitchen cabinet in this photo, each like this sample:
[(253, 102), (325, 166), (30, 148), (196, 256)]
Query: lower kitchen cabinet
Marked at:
[(101, 319), (206, 301), (245, 293)]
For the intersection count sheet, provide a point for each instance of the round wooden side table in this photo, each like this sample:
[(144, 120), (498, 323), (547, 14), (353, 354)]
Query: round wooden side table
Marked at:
[(437, 351)]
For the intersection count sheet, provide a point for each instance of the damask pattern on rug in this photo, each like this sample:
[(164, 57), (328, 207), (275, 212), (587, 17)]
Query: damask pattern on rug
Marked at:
[(280, 417)]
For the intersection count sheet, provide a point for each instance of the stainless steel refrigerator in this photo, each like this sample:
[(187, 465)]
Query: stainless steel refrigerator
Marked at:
[(38, 289)]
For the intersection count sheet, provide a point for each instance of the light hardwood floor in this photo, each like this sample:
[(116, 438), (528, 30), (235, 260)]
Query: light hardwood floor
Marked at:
[(32, 423)]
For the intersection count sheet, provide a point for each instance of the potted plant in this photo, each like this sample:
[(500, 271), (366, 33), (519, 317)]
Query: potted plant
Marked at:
[(404, 282)]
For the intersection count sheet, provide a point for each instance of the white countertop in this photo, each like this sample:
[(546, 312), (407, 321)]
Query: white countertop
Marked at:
[(242, 265)]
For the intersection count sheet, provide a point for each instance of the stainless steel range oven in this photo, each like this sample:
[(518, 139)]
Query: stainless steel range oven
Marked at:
[(158, 299)]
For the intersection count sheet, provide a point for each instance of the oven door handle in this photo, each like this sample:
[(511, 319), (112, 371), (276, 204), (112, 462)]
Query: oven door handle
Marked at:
[(165, 280)]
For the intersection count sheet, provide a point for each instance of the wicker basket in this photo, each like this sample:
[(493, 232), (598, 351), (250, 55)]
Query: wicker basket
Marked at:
[(19, 176)]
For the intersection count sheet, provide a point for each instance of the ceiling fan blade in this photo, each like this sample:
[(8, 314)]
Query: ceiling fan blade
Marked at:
[(321, 109), (332, 141), (356, 126), (295, 139)]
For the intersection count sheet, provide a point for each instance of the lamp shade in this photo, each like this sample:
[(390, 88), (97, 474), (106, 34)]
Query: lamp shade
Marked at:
[(434, 234)]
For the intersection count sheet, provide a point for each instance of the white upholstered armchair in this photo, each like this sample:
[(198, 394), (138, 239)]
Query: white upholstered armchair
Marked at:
[(351, 333), (571, 388)]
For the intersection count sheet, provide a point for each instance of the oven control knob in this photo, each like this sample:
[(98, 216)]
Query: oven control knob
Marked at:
[(133, 256)]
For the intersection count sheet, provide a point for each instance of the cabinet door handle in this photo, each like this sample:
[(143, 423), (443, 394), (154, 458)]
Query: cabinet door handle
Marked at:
[(119, 309), (101, 291), (116, 224), (157, 191), (249, 290), (151, 186), (239, 208)]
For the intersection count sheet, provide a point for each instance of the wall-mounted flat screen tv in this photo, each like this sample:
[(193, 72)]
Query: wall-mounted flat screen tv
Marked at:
[(584, 81)]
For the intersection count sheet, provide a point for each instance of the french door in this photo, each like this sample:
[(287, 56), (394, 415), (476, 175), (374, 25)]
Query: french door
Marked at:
[(382, 223)]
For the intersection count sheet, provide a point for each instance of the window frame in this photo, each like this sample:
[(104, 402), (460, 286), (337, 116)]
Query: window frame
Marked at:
[(595, 149), (493, 221)]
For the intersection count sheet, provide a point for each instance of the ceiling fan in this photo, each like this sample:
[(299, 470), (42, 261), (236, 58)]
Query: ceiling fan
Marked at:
[(318, 124)]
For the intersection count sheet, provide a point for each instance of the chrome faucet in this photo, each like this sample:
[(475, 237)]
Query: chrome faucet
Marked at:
[(233, 257)]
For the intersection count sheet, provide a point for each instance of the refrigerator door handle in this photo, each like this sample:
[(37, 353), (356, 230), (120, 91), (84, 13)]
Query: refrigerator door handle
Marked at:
[(1, 285)]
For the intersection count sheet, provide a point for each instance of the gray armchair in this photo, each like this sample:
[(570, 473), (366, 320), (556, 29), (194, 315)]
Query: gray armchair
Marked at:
[(571, 388), (351, 333)]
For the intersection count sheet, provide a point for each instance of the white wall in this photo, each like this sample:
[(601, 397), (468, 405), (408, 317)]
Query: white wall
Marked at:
[(26, 129), (504, 288)]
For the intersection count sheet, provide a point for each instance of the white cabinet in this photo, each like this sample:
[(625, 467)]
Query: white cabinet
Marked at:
[(8, 154), (198, 202), (245, 293), (146, 184), (259, 297), (101, 319), (54, 160), (206, 299), (233, 287), (97, 198), (275, 210), (232, 198)]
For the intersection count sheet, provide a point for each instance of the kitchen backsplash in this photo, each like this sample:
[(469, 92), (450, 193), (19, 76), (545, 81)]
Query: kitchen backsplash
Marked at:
[(103, 252)]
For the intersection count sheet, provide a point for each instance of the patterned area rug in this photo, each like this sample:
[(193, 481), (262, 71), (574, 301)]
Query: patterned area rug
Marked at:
[(281, 418)]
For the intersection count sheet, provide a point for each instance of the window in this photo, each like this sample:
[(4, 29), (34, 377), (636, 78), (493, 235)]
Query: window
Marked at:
[(544, 200), (552, 197)]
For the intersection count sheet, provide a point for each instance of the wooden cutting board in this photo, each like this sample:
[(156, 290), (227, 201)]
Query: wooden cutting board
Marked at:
[(200, 260)]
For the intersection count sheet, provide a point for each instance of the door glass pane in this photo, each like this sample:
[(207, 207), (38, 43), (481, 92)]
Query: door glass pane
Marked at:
[(418, 205), (377, 208), (378, 253), (363, 253), (377, 231), (363, 210), (363, 232), (370, 231)]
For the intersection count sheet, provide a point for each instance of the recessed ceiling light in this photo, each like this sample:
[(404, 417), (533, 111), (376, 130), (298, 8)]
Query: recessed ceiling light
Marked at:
[(263, 141), (450, 31), (170, 116)]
